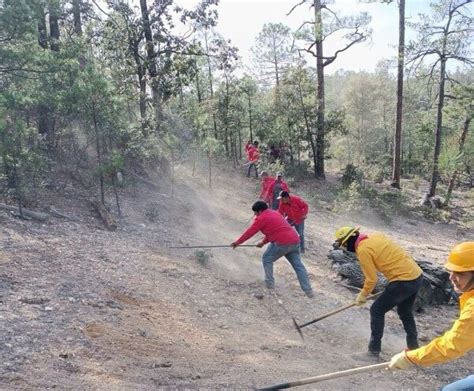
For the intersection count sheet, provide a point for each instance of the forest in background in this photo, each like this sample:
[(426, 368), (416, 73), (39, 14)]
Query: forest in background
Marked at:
[(99, 91)]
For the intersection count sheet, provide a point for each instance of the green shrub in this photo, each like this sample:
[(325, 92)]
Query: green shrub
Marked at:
[(299, 172), (203, 257), (351, 198), (152, 211), (376, 173), (436, 215), (351, 174), (358, 199)]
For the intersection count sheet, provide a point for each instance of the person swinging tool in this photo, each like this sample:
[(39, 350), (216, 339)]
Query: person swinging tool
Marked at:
[(253, 155), (284, 241), (377, 253), (295, 209), (459, 340), (274, 190), (267, 181)]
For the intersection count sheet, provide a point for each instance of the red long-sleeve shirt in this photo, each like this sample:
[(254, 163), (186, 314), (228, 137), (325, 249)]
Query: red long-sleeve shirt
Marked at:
[(266, 182), (296, 210), (253, 154), (275, 228), (283, 187)]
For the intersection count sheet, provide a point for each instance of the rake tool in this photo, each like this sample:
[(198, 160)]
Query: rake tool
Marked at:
[(215, 246), (300, 326), (328, 376)]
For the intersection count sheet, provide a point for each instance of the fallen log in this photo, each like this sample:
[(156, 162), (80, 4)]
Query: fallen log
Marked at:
[(28, 213), (56, 213), (104, 214), (436, 287)]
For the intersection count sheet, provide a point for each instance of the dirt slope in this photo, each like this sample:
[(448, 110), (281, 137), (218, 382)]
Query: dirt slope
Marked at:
[(83, 308)]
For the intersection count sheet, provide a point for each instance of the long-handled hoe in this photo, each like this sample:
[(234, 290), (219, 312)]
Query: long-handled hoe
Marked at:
[(328, 376), (300, 326), (215, 246)]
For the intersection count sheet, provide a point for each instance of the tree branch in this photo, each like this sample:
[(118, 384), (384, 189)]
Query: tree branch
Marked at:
[(309, 51), (332, 12), (419, 56), (462, 59), (297, 5), (337, 52), (304, 23)]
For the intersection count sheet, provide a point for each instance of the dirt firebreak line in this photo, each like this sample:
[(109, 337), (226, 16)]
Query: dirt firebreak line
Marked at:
[(279, 301)]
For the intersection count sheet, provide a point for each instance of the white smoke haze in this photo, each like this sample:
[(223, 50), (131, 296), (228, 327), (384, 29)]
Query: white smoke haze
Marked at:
[(218, 218)]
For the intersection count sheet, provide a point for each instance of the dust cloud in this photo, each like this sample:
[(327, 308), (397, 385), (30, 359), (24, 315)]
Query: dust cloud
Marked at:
[(218, 218)]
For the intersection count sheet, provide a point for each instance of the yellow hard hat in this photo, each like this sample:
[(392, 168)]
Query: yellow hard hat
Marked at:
[(343, 234), (461, 258)]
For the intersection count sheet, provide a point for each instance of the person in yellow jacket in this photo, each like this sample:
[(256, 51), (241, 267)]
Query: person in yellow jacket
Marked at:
[(377, 253), (459, 340)]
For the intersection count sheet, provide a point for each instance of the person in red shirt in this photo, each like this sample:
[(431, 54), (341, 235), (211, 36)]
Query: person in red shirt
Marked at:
[(284, 241), (295, 209), (253, 155), (247, 145), (274, 190), (267, 180)]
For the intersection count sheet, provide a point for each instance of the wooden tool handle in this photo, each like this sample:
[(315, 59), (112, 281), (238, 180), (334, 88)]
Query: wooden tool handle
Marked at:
[(338, 310), (327, 376)]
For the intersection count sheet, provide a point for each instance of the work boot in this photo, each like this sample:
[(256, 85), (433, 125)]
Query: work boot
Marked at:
[(412, 345), (412, 342), (368, 356), (310, 294)]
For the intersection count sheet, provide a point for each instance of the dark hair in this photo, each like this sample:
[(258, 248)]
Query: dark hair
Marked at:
[(255, 142), (284, 194), (259, 206), (352, 241)]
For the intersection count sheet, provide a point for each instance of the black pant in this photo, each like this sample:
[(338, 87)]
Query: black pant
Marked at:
[(401, 294)]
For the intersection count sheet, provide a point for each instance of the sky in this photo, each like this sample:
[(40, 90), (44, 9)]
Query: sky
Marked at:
[(242, 20)]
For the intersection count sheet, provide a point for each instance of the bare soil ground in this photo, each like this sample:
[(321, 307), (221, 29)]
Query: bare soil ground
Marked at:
[(84, 308)]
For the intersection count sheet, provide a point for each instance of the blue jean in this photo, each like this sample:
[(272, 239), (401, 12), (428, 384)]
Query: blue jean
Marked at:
[(275, 203), (466, 384), (250, 168), (292, 253), (300, 229)]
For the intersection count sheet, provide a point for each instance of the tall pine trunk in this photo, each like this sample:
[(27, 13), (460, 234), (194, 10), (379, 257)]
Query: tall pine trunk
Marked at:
[(152, 68), (397, 142), (250, 117), (462, 141), (438, 131), (54, 25), (99, 153), (76, 13), (309, 133), (209, 70), (320, 103)]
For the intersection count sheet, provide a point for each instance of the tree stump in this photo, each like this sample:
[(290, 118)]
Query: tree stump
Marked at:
[(104, 214)]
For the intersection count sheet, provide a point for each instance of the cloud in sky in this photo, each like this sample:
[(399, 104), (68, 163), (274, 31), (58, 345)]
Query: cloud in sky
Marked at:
[(242, 20)]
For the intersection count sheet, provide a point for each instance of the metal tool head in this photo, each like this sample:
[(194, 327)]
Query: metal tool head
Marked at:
[(298, 329)]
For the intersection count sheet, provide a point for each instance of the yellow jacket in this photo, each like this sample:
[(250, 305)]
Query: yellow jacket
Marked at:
[(378, 253), (454, 343)]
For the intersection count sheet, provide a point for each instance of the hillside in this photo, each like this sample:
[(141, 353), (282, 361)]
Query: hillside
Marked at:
[(84, 308)]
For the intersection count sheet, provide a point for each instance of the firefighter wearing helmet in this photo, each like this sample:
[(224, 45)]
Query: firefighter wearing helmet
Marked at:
[(378, 253), (459, 340)]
